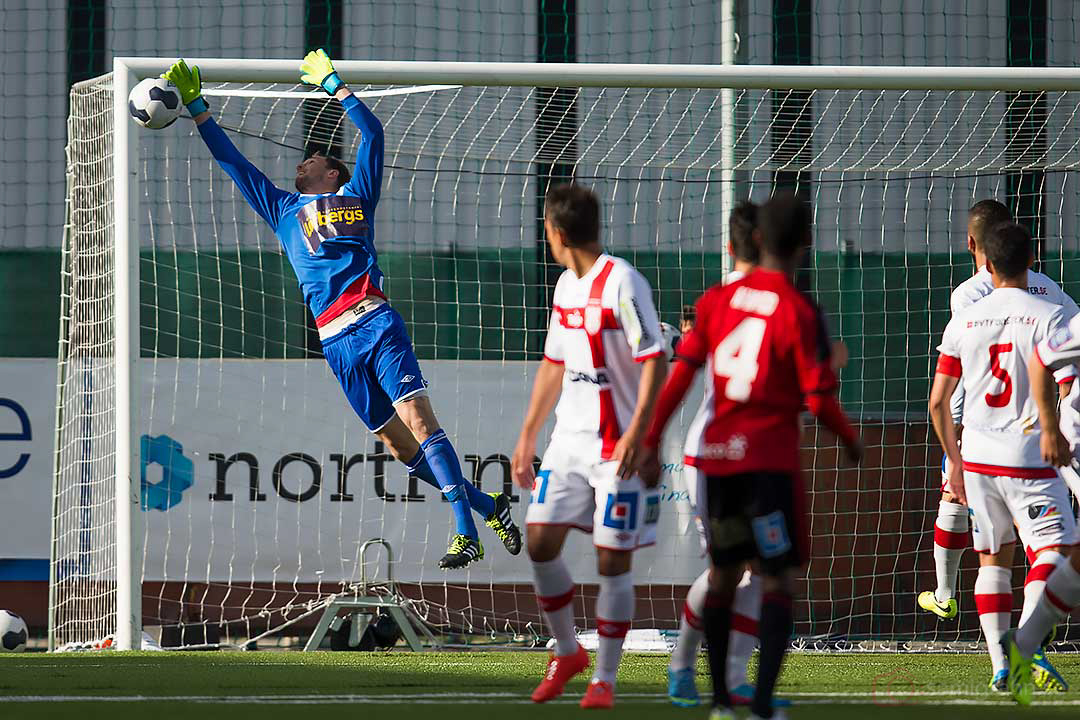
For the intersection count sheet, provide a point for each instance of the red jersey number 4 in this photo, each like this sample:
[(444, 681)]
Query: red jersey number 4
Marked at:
[(736, 358)]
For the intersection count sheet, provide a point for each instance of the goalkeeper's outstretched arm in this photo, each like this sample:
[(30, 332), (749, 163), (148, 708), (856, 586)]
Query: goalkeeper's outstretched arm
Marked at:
[(263, 196), (317, 69)]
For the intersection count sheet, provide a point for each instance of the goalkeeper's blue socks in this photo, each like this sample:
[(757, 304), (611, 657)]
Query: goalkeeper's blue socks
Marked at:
[(446, 469), (480, 501)]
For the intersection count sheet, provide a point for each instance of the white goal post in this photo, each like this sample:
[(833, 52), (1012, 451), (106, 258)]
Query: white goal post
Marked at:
[(867, 127)]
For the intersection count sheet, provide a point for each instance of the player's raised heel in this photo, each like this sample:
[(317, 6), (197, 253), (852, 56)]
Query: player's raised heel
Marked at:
[(560, 669), (945, 611), (1019, 674), (463, 551), (1000, 681), (681, 687), (598, 696), (502, 522)]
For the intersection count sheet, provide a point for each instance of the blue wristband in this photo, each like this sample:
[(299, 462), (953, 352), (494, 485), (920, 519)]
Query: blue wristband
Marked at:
[(197, 106), (331, 83)]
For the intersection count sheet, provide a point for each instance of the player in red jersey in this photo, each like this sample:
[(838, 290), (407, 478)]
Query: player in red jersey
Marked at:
[(767, 355)]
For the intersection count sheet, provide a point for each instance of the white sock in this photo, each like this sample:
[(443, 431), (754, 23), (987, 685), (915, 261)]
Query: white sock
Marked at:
[(1060, 596), (745, 613), (993, 600), (1040, 571), (950, 540), (555, 592), (614, 610), (692, 625)]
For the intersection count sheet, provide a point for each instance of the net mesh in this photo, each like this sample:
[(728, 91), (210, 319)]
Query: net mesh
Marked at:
[(261, 486)]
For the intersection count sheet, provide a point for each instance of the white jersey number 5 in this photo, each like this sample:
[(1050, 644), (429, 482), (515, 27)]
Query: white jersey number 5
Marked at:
[(736, 358)]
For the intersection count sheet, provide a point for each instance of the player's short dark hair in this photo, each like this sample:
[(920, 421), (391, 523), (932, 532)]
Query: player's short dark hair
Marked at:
[(1008, 248), (985, 214), (742, 222), (334, 163), (784, 224), (575, 210)]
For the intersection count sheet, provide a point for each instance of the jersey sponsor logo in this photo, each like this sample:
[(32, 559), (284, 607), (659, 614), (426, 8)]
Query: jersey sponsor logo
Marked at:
[(1036, 512), (1036, 290), (1002, 322), (752, 300), (600, 378), (573, 318), (594, 316), (770, 534), (734, 449), (331, 217), (620, 513)]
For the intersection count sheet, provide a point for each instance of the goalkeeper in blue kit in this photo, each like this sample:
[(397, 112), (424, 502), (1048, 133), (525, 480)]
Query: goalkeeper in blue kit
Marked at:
[(327, 231)]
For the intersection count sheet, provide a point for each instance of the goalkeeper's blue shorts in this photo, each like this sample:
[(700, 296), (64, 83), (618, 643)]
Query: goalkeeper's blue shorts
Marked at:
[(374, 361)]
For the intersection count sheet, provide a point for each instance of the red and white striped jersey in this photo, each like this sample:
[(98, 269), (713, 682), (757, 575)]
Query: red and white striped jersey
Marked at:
[(988, 345), (602, 325), (981, 284)]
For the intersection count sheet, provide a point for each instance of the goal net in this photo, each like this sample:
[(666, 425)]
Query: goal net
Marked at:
[(255, 488)]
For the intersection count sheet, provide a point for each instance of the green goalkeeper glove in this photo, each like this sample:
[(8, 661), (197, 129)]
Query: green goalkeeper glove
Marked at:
[(188, 82), (318, 70)]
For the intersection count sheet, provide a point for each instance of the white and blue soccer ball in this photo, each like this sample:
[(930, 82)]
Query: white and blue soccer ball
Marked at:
[(671, 336), (13, 632), (154, 103)]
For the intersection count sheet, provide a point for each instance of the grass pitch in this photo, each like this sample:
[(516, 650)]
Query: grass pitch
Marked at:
[(473, 685)]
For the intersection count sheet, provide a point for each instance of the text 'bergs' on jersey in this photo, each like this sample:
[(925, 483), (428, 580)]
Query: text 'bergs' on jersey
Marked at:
[(330, 217)]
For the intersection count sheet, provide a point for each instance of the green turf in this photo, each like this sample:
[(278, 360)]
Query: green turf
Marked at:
[(449, 685)]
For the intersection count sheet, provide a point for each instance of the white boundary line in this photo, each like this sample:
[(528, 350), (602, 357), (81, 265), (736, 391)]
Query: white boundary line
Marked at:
[(907, 699)]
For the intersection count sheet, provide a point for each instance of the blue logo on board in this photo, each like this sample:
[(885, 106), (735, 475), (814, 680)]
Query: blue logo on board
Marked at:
[(177, 472)]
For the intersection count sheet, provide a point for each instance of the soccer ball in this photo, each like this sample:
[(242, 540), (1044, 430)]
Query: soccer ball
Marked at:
[(154, 103), (671, 337), (12, 632)]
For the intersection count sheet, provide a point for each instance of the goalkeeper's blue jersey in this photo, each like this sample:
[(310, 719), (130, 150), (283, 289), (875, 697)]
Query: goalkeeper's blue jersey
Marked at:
[(328, 238)]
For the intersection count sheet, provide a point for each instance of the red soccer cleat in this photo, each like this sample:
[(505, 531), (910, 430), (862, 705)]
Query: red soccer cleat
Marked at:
[(559, 671), (599, 695)]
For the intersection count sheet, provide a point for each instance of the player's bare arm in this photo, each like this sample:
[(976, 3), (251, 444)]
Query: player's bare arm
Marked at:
[(941, 416), (629, 447), (1054, 446), (545, 393), (675, 389)]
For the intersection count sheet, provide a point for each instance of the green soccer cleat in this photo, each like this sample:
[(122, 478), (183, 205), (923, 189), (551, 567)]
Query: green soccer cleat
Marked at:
[(945, 611), (1019, 681), (1045, 675), (721, 713), (503, 524), (463, 551)]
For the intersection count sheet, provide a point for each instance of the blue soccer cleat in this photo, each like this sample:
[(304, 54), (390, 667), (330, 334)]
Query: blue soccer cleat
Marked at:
[(681, 688), (1000, 681), (744, 695)]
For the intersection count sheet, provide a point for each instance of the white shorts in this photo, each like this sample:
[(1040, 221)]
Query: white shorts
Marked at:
[(588, 495), (1039, 508)]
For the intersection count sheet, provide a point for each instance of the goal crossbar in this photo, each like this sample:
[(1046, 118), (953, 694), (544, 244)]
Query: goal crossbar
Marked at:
[(750, 77)]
